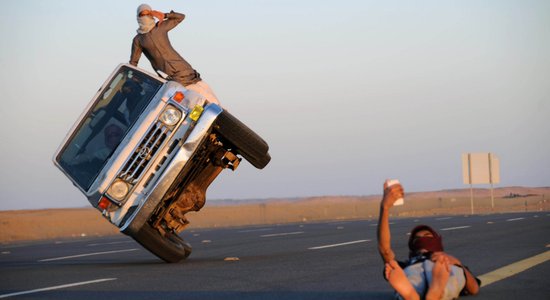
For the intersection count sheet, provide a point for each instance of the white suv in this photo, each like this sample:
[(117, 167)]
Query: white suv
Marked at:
[(145, 150)]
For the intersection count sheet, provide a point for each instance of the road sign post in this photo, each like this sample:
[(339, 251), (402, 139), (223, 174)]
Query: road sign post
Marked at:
[(480, 168)]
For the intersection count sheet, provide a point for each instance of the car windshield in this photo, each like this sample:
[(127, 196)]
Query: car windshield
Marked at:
[(98, 135)]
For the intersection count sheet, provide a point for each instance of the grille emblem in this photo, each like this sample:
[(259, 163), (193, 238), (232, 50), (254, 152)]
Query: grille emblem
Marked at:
[(144, 152)]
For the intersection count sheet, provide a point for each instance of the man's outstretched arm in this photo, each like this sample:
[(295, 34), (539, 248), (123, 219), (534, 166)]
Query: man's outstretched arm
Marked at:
[(391, 194)]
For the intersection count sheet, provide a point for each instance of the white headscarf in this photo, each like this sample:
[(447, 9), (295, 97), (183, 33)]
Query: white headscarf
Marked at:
[(146, 23)]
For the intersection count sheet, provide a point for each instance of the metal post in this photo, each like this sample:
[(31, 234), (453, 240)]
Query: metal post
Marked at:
[(263, 214), (491, 181), (470, 180), (471, 199)]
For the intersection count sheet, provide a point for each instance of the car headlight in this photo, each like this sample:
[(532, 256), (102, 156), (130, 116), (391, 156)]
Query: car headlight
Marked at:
[(118, 190), (170, 116)]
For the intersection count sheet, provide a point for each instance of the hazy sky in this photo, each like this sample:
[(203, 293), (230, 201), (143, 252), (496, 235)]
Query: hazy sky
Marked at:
[(346, 93)]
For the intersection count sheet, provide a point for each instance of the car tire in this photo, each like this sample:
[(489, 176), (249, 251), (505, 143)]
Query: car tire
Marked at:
[(247, 143), (170, 248)]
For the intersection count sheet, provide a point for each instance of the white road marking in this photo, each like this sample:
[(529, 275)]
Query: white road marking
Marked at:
[(444, 218), (254, 230), (282, 234), (231, 258), (339, 222), (337, 245), (56, 287), (87, 254), (376, 224), (455, 228), (516, 219), (513, 269), (111, 243)]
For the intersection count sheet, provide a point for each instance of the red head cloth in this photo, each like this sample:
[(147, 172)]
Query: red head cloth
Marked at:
[(430, 243)]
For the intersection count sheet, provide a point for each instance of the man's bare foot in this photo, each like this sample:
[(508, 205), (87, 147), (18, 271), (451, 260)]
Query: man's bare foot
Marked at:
[(399, 281), (440, 276)]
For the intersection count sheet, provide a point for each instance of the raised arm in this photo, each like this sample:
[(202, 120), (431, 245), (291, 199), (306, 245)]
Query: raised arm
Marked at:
[(391, 194), (171, 20)]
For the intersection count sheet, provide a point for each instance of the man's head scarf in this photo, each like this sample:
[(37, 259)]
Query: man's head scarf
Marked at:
[(431, 244), (146, 23)]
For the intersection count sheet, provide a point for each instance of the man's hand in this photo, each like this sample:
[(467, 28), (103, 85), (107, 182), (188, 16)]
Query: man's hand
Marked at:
[(442, 255), (159, 15), (472, 286), (391, 194)]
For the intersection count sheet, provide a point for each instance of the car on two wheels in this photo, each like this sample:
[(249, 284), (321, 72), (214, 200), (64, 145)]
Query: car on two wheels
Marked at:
[(144, 152)]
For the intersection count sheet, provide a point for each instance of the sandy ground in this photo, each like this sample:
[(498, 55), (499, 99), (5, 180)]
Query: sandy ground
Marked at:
[(29, 225)]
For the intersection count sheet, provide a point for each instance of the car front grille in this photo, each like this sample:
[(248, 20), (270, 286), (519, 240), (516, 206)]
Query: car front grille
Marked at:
[(145, 152)]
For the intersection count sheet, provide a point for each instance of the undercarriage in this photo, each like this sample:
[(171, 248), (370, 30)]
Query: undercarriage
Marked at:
[(188, 193)]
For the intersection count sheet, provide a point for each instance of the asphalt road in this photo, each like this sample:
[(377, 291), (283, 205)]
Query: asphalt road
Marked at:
[(330, 260)]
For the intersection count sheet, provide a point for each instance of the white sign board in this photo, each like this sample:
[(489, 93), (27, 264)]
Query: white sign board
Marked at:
[(480, 168)]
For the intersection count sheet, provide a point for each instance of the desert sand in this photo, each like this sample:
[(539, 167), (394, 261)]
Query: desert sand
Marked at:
[(31, 225)]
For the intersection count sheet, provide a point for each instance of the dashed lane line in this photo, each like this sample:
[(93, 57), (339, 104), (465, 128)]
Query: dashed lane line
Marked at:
[(255, 230), (376, 224), (515, 219), (513, 269), (282, 234), (57, 287), (455, 228), (340, 244), (86, 254), (109, 243)]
